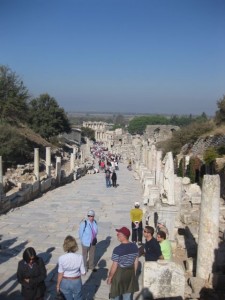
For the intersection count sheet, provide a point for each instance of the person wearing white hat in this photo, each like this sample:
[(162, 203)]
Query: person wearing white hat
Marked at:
[(88, 231), (136, 215)]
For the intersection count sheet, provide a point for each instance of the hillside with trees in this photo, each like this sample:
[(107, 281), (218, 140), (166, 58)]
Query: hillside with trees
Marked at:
[(26, 123)]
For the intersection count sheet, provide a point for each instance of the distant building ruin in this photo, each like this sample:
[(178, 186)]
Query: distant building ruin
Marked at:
[(159, 133)]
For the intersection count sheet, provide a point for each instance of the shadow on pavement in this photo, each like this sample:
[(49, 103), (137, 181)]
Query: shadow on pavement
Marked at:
[(93, 283), (101, 247)]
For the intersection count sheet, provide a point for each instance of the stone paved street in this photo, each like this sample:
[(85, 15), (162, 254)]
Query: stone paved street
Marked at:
[(45, 222)]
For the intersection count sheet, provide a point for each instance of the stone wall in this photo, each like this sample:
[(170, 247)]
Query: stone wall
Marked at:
[(158, 133), (28, 192), (203, 143)]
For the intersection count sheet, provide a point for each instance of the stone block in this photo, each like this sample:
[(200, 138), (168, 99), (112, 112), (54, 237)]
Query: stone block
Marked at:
[(164, 279), (181, 241), (46, 185), (196, 285), (186, 180), (189, 265), (186, 219), (195, 199), (36, 187)]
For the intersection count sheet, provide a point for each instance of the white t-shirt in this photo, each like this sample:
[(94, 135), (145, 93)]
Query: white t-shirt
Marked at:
[(71, 265)]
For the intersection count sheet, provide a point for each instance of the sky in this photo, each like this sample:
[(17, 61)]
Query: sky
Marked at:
[(123, 56)]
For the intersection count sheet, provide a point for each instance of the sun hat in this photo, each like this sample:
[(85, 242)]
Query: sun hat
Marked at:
[(91, 213), (136, 203), (125, 231)]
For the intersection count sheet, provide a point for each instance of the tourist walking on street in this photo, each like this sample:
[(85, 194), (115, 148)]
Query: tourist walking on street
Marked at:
[(122, 274), (31, 273), (107, 177), (151, 249), (136, 215), (70, 269), (165, 245), (114, 178), (88, 231)]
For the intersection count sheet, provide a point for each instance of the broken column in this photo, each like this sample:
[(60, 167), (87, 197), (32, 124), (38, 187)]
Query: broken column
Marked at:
[(167, 181), (58, 169), (72, 161), (48, 161), (36, 164), (209, 225), (158, 167)]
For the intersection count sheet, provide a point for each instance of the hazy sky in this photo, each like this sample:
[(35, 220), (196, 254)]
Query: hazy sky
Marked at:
[(147, 56)]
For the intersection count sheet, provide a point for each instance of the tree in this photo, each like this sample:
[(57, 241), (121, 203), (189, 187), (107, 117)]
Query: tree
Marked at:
[(138, 125), (47, 118), (88, 132), (186, 135), (14, 147), (220, 114), (13, 97)]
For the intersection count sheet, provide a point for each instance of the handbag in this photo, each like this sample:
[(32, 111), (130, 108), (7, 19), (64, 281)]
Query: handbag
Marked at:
[(60, 296), (94, 242)]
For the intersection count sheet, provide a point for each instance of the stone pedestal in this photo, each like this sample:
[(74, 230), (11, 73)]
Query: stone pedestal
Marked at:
[(209, 225), (164, 279), (147, 183), (168, 215)]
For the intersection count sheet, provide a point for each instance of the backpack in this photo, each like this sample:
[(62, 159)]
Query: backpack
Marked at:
[(85, 224)]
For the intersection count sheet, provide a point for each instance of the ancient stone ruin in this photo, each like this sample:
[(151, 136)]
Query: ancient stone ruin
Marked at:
[(194, 217)]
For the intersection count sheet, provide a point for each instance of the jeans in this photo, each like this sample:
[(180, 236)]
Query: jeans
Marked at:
[(126, 296), (71, 289), (108, 181)]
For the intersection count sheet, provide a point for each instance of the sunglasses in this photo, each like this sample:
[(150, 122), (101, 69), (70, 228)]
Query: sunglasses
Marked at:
[(91, 216)]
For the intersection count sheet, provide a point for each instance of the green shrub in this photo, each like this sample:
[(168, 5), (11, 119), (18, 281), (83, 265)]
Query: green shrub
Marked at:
[(209, 155), (14, 148)]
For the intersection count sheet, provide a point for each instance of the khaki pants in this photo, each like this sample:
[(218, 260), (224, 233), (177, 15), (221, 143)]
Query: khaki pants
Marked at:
[(88, 251)]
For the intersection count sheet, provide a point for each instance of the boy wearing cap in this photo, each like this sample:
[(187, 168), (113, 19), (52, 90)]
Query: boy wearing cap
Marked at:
[(88, 231), (122, 274), (136, 215)]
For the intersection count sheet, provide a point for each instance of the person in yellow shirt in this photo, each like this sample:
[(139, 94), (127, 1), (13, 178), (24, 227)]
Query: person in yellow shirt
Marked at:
[(136, 215)]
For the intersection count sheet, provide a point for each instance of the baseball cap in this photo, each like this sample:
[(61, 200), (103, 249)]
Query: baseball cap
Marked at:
[(125, 231), (136, 203), (91, 213)]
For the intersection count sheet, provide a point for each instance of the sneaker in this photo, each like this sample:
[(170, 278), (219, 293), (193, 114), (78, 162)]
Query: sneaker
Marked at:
[(94, 270)]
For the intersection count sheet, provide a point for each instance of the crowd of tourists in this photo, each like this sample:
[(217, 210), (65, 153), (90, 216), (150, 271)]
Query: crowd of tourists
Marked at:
[(122, 276)]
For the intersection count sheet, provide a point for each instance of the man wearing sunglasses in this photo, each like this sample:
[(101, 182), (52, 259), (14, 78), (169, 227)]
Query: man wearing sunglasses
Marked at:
[(151, 249)]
